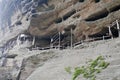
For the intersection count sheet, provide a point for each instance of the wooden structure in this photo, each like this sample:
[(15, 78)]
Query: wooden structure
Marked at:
[(118, 28)]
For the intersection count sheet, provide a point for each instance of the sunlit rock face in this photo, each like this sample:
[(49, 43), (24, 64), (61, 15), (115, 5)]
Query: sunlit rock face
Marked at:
[(15, 17), (45, 18)]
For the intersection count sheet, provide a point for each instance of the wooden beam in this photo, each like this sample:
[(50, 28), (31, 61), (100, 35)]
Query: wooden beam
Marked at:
[(103, 37), (51, 43), (110, 32), (118, 28)]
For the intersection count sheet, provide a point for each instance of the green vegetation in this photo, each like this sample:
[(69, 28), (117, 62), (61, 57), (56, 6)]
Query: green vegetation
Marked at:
[(90, 70), (68, 69)]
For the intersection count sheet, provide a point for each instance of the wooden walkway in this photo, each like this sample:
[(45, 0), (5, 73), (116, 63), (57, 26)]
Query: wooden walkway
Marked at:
[(56, 42)]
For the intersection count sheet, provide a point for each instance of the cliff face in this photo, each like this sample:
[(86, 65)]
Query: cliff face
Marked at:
[(88, 18), (15, 17), (45, 18), (42, 20)]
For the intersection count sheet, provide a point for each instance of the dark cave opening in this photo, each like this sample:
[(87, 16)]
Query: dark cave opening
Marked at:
[(34, 15), (102, 14), (81, 0), (58, 20), (97, 1), (97, 16), (105, 32), (46, 41), (114, 31), (115, 8), (66, 16), (41, 42), (18, 23)]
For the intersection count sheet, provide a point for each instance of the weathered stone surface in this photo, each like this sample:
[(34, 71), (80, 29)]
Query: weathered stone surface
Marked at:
[(33, 62), (89, 18)]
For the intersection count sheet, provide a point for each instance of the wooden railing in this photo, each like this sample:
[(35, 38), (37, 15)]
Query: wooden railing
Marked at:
[(91, 40), (103, 37), (56, 39)]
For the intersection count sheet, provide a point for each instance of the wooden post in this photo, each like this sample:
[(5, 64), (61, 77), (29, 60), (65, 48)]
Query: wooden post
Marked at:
[(59, 40), (71, 39), (118, 27), (110, 32), (33, 42), (103, 37), (51, 43)]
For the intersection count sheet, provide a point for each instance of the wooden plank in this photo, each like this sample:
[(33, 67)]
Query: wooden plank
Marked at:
[(33, 43)]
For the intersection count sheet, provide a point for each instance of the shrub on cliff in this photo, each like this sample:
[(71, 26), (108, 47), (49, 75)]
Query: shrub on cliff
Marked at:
[(89, 71)]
